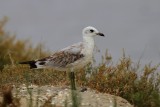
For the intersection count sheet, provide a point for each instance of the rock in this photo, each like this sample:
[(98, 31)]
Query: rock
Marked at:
[(61, 96)]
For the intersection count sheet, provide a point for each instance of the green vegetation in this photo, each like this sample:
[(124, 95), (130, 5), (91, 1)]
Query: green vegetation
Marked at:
[(139, 85)]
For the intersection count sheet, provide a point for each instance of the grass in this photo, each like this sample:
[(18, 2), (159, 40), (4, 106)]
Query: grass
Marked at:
[(122, 79)]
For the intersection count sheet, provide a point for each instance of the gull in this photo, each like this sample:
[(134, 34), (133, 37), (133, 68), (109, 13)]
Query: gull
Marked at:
[(72, 57)]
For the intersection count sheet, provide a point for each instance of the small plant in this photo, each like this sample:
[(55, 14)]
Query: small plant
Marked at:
[(8, 99), (123, 80)]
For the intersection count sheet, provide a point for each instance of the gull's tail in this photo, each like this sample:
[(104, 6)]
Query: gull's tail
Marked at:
[(34, 64)]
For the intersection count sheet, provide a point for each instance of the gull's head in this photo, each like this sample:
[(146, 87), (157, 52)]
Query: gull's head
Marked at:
[(91, 32)]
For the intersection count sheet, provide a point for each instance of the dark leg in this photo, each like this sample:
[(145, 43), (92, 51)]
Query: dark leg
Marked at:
[(72, 79)]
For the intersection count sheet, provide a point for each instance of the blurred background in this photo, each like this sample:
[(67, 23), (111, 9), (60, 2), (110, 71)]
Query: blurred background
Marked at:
[(130, 24)]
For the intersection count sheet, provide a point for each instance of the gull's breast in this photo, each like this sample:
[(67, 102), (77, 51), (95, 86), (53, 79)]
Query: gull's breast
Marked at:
[(81, 62)]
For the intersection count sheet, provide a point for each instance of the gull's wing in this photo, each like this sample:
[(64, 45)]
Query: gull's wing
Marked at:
[(65, 56), (59, 59), (75, 48)]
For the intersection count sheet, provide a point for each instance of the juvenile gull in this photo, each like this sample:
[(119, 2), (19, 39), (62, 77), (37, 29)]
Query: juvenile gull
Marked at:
[(72, 57)]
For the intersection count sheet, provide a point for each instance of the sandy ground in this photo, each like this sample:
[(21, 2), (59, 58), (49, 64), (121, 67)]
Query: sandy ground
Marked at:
[(61, 96)]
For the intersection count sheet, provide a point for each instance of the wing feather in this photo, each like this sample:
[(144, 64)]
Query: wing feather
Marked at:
[(64, 57)]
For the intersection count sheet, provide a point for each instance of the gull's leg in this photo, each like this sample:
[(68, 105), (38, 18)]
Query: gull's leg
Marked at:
[(72, 79)]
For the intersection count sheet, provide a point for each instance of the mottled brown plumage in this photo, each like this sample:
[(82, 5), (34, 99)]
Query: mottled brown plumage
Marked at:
[(62, 59)]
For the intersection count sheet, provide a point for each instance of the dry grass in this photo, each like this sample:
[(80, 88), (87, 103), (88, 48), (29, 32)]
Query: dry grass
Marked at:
[(122, 79)]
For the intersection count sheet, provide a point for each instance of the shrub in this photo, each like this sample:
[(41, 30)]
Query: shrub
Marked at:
[(16, 50), (124, 79)]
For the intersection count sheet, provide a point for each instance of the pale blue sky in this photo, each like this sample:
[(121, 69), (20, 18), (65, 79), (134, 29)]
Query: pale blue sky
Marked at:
[(130, 24)]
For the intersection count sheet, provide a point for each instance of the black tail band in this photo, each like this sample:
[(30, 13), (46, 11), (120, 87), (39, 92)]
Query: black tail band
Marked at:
[(31, 63)]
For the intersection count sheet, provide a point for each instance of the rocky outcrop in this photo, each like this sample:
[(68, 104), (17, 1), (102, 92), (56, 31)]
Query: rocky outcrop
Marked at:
[(62, 96)]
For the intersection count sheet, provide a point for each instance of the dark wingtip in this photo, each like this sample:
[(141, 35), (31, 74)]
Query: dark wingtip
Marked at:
[(32, 64)]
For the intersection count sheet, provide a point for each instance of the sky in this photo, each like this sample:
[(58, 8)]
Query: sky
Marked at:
[(132, 25)]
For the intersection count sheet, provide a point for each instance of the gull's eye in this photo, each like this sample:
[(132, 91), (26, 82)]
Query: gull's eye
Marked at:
[(91, 30)]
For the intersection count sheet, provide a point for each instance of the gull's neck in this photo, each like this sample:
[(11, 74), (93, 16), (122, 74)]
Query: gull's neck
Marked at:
[(88, 42)]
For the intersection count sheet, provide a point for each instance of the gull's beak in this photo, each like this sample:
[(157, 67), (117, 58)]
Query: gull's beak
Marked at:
[(100, 34)]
